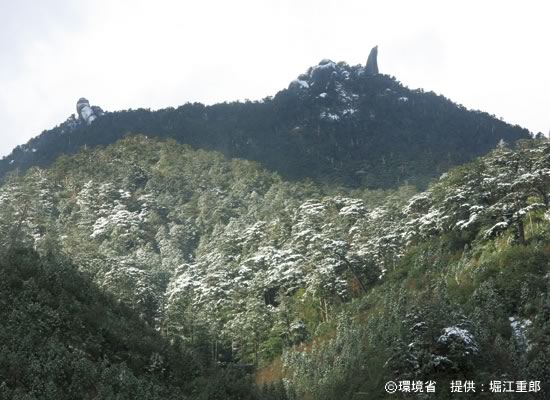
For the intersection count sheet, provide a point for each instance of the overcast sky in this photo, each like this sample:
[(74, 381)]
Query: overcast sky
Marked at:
[(120, 54)]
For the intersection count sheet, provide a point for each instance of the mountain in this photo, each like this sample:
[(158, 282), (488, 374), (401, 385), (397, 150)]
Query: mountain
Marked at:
[(336, 124), (290, 249), (301, 282)]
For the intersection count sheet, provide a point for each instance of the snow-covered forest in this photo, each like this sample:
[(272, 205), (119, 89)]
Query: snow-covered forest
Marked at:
[(305, 285)]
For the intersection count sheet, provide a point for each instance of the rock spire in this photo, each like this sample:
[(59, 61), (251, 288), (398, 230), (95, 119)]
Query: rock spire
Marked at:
[(372, 63), (86, 113)]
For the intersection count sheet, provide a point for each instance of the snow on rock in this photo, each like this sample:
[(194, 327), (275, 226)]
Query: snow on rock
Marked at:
[(320, 75), (328, 78), (298, 84), (87, 113), (325, 64)]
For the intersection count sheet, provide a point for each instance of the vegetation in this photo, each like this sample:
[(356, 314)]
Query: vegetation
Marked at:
[(339, 127), (62, 338), (148, 269)]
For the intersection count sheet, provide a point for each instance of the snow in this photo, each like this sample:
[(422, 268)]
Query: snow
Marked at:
[(528, 209), (495, 229), (354, 210), (463, 224), (297, 326), (124, 194), (403, 99), (419, 326), (250, 254), (441, 361), (345, 95), (428, 222), (453, 334), (87, 114), (324, 64), (349, 111), (311, 207), (322, 95), (299, 83), (329, 116), (99, 227), (417, 203), (519, 331)]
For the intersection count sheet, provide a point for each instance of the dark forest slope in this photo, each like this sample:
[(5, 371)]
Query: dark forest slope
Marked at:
[(335, 124)]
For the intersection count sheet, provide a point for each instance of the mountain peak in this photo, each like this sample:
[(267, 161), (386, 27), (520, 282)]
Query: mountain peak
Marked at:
[(325, 74)]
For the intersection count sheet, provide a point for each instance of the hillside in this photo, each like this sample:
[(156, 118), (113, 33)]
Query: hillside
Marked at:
[(336, 124), (63, 338), (301, 281)]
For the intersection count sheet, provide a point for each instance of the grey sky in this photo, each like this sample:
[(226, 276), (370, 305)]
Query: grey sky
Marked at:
[(487, 55)]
